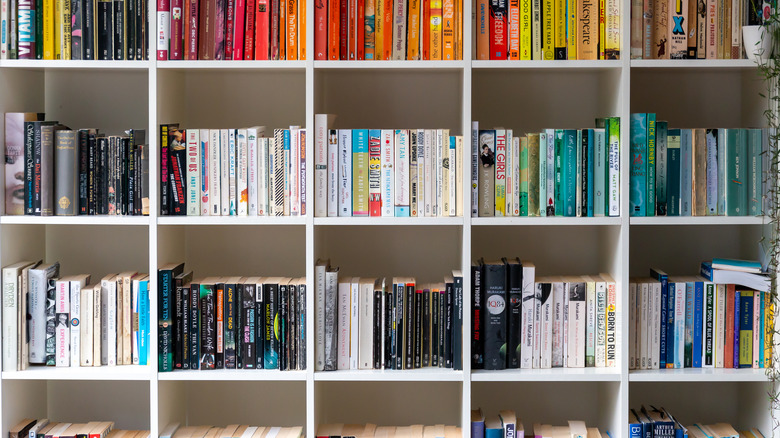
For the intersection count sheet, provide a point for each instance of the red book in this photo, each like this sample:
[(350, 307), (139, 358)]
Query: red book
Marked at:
[(238, 30), (249, 30), (728, 349), (230, 19), (426, 30), (262, 31), (320, 30), (274, 30), (163, 29), (352, 31), (360, 29), (176, 29), (498, 29), (343, 30), (333, 29), (206, 32), (191, 27)]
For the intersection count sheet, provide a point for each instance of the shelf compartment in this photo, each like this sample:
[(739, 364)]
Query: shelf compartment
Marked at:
[(231, 220), (427, 374), (390, 65), (119, 373), (126, 403), (744, 405), (388, 403), (76, 220), (545, 221), (233, 375), (219, 403), (547, 65), (598, 404), (388, 221), (700, 220), (548, 375), (269, 250), (231, 65), (699, 375)]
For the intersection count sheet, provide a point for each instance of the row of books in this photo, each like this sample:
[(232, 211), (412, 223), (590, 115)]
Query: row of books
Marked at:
[(230, 322), (387, 323), (54, 170), (690, 29), (506, 423), (523, 321), (388, 30), (43, 428), (231, 29), (696, 172), (548, 29), (558, 172), (78, 29), (68, 321), (229, 172), (691, 322), (386, 172), (230, 431), (655, 422), (373, 431)]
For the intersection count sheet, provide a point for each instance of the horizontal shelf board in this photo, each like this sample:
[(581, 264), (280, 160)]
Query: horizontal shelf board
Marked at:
[(231, 220), (699, 220), (548, 65), (231, 65), (234, 375), (694, 63), (75, 220), (390, 65), (428, 374), (557, 220), (119, 372), (384, 221), (39, 64), (699, 375), (548, 375)]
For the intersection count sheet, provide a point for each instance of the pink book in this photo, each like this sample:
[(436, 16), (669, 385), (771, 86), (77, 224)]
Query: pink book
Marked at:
[(261, 33), (238, 33)]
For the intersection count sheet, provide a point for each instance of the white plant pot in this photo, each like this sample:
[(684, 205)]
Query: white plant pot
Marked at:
[(758, 42)]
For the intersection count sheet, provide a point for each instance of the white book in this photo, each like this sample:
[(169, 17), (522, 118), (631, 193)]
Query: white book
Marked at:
[(601, 323), (169, 430), (565, 328), (108, 320), (76, 283), (242, 168), (655, 345), (62, 326), (97, 326), (333, 173), (458, 176), (295, 172), (251, 171), (232, 172), (600, 168), (438, 171), (558, 345), (4, 25), (224, 175), (527, 316), (276, 188), (401, 198), (345, 172), (679, 324), (303, 136), (500, 171), (547, 320), (577, 429), (319, 314), (86, 330), (577, 321), (590, 322), (263, 175), (215, 170), (205, 205), (539, 299), (549, 202), (36, 309), (354, 322), (445, 176), (421, 172), (515, 206), (474, 168), (510, 162), (11, 296), (321, 124), (248, 432), (193, 172), (719, 332), (127, 318), (343, 323), (644, 329), (366, 324), (451, 161), (273, 432), (429, 183), (633, 326), (286, 168), (611, 320), (38, 426)]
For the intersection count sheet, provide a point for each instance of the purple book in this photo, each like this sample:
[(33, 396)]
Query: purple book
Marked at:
[(219, 33)]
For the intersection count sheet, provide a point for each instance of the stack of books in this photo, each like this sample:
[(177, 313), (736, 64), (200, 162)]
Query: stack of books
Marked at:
[(654, 421), (696, 172), (507, 423), (44, 428), (70, 322), (374, 431), (541, 322), (230, 431)]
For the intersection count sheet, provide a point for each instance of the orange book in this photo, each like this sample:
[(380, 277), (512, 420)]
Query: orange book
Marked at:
[(426, 30), (292, 29), (483, 30), (283, 28), (514, 29), (333, 30), (413, 31), (387, 49), (352, 35), (448, 30), (302, 30), (458, 29), (379, 29)]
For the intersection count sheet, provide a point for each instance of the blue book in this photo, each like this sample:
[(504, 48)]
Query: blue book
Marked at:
[(761, 328), (746, 329), (650, 207), (634, 425), (736, 322), (591, 171), (493, 428), (664, 279), (673, 172), (570, 172), (698, 324), (477, 424), (754, 175), (638, 181), (689, 306), (143, 322), (686, 172), (708, 348), (712, 171)]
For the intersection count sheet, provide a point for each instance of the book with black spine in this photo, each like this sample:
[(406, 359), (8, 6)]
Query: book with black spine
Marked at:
[(426, 326), (219, 318), (457, 320), (450, 295), (291, 326), (92, 140), (208, 322), (271, 341), (44, 175), (514, 312), (435, 326), (186, 340), (281, 331), (389, 353), (259, 324), (88, 30), (130, 18), (176, 171), (83, 166), (398, 315), (101, 171), (165, 309), (130, 177), (230, 308), (302, 323), (248, 324), (178, 320), (105, 30), (494, 280), (331, 312), (418, 317), (119, 29), (377, 323), (239, 321), (408, 326)]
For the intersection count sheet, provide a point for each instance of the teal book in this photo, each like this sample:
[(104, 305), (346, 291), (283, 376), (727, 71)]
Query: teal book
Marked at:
[(638, 181), (599, 173), (493, 427), (650, 206), (570, 173), (542, 174), (686, 172), (661, 168), (558, 190), (754, 172), (736, 183), (590, 150), (673, 172), (524, 176), (579, 183)]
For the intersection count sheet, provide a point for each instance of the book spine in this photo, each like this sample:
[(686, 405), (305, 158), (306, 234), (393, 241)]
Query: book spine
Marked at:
[(165, 327), (401, 190), (163, 28), (375, 172), (62, 330), (498, 29), (345, 178), (66, 184), (193, 172), (360, 173), (387, 195), (611, 324), (638, 193)]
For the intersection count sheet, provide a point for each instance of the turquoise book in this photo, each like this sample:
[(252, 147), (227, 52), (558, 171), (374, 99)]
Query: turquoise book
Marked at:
[(754, 172), (638, 182), (570, 173), (673, 172), (661, 175), (721, 172), (599, 173), (736, 183), (650, 206), (590, 161)]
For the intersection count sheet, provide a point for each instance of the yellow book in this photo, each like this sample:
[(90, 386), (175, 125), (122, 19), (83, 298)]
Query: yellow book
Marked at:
[(436, 36), (548, 30), (613, 30), (302, 30), (571, 29), (536, 30), (525, 30), (66, 30), (448, 30), (602, 29), (769, 324), (58, 28), (413, 31), (379, 29), (560, 29), (292, 29), (458, 29), (48, 29)]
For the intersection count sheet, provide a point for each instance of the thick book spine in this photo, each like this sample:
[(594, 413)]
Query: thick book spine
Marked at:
[(62, 329), (517, 332), (165, 323), (66, 173), (496, 315), (477, 331), (229, 320), (374, 172), (207, 327), (498, 29)]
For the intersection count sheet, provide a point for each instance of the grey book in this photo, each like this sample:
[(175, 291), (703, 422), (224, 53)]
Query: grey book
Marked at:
[(48, 134), (66, 173), (487, 164), (331, 306)]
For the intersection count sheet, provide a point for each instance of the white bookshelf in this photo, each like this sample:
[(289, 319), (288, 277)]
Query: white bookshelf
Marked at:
[(525, 96)]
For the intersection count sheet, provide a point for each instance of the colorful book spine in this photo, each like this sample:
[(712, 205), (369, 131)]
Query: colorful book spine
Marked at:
[(638, 180), (360, 173)]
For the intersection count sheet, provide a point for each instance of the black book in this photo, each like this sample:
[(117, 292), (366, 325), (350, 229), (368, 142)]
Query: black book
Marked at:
[(185, 326), (83, 157), (418, 310), (102, 172), (449, 294), (271, 342), (166, 307), (494, 280), (219, 306), (165, 186), (124, 144), (176, 171), (477, 345), (259, 325), (32, 170), (457, 320), (292, 326), (248, 325), (105, 30), (178, 322), (119, 30), (208, 326), (442, 321), (584, 172), (229, 320), (92, 174), (88, 29), (377, 341), (110, 174), (140, 31), (130, 160), (408, 327), (240, 325), (398, 330), (514, 272), (283, 345), (434, 327), (194, 320), (426, 327), (389, 353), (302, 324), (130, 19)]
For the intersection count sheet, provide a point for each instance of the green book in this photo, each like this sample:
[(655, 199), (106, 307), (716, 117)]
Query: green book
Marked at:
[(673, 172), (524, 176), (600, 173), (570, 173), (661, 178), (754, 172), (542, 150)]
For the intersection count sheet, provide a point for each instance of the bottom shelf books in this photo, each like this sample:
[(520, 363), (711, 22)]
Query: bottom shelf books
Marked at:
[(374, 431), (230, 431), (659, 422), (507, 424), (44, 428)]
